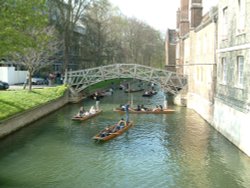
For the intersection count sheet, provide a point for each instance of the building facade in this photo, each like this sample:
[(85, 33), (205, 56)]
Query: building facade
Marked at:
[(196, 55), (200, 65), (215, 54), (232, 100)]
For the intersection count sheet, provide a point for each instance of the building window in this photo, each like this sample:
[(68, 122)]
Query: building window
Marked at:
[(240, 68), (241, 16), (225, 23), (223, 73)]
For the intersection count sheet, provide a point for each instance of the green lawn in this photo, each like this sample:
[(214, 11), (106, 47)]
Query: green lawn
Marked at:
[(16, 101)]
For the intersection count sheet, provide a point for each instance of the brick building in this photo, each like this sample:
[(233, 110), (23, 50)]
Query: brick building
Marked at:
[(170, 45)]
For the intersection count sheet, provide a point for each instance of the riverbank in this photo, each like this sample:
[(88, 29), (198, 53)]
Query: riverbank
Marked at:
[(17, 101), (19, 107), (19, 120)]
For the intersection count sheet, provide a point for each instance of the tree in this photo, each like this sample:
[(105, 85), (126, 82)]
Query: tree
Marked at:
[(17, 17), (38, 56), (67, 13), (97, 41), (26, 36), (113, 38)]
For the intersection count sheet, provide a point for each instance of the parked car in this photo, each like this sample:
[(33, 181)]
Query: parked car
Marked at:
[(4, 85), (38, 81)]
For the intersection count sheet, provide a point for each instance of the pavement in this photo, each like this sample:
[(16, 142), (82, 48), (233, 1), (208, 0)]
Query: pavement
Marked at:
[(17, 87)]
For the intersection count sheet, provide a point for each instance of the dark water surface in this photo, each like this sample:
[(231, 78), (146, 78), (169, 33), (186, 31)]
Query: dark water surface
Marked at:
[(177, 150)]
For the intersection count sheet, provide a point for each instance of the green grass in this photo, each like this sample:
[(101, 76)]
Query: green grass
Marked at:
[(16, 101)]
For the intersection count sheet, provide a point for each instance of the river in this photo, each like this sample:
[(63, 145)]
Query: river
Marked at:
[(178, 150)]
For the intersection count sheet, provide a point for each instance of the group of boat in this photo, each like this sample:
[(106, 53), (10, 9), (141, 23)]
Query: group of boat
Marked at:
[(147, 93), (117, 129), (122, 126), (147, 111)]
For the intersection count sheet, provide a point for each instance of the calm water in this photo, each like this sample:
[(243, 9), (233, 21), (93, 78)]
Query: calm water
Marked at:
[(173, 150)]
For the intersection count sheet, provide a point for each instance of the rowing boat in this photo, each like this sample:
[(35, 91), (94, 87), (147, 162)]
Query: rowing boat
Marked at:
[(85, 117), (149, 93), (134, 111), (107, 133), (133, 90)]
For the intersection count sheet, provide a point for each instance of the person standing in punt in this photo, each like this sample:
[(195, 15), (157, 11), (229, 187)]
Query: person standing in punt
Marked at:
[(97, 99), (127, 111)]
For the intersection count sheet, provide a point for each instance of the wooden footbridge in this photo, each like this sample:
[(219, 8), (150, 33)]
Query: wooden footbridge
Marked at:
[(166, 80)]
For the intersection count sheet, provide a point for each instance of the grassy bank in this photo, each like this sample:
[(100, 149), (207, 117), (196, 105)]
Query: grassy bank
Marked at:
[(16, 101)]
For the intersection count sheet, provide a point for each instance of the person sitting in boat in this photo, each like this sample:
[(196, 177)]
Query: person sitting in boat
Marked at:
[(138, 108), (81, 112), (86, 113), (92, 110), (161, 107), (122, 107), (156, 109), (119, 125), (105, 132), (143, 108)]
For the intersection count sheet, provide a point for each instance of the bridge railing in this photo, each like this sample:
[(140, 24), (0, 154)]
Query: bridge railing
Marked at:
[(167, 80)]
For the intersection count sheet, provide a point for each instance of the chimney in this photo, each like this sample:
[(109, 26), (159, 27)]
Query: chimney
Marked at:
[(196, 13), (184, 21), (178, 19)]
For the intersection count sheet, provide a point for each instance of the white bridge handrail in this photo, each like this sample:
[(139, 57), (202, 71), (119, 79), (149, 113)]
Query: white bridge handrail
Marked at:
[(169, 81)]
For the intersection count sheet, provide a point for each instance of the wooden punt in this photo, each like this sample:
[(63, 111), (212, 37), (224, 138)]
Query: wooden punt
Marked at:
[(149, 93), (134, 111), (133, 90), (110, 135), (77, 118)]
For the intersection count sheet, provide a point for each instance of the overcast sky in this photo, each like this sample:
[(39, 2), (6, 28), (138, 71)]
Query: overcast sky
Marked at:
[(160, 14)]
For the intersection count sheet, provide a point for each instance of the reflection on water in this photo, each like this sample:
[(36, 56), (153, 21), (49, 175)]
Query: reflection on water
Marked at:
[(167, 150)]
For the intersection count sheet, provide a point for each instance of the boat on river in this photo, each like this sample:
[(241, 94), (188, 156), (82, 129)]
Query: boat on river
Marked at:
[(108, 133), (148, 111), (85, 117), (133, 90), (149, 93)]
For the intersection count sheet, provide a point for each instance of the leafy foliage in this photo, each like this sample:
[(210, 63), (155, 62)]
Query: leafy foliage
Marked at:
[(113, 38), (66, 14), (17, 18)]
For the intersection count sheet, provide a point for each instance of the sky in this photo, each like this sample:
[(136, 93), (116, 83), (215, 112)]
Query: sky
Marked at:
[(160, 14)]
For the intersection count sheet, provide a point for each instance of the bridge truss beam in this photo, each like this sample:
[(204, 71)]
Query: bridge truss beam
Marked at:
[(167, 80)]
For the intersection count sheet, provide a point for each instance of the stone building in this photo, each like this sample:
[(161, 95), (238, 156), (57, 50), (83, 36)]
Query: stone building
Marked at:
[(215, 54), (232, 100), (200, 64), (196, 55)]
